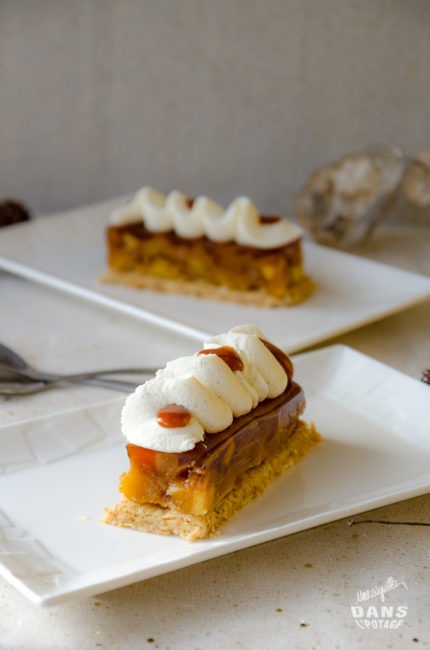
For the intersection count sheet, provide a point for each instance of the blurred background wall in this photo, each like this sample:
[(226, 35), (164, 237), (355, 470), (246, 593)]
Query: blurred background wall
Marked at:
[(216, 97)]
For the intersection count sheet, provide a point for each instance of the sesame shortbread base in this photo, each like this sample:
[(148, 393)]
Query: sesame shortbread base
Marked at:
[(298, 292), (168, 521)]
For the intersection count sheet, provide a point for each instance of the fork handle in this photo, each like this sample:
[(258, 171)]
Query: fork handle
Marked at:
[(16, 388), (114, 384)]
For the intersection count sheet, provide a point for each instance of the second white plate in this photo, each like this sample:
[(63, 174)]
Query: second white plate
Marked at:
[(67, 252), (57, 474)]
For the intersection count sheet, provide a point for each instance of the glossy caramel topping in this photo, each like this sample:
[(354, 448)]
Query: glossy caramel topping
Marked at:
[(173, 416), (268, 218), (227, 354)]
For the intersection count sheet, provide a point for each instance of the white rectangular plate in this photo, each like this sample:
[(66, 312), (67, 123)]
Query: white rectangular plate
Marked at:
[(67, 252), (57, 474)]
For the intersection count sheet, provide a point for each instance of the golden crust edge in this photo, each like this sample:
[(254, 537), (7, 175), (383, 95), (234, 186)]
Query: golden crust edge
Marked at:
[(168, 521), (298, 292)]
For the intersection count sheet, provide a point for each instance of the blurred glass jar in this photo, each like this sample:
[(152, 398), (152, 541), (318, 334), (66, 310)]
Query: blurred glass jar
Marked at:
[(343, 202), (415, 205)]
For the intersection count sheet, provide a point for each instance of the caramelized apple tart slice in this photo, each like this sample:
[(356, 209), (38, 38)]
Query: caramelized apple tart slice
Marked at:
[(192, 246), (190, 485)]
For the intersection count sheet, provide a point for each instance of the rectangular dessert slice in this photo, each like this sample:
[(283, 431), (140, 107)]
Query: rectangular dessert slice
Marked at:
[(191, 246), (235, 425)]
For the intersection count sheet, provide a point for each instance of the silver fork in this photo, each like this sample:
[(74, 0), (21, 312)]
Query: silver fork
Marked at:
[(17, 388), (32, 380)]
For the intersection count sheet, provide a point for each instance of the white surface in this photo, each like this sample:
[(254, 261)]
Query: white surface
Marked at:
[(301, 585), (375, 450), (67, 252)]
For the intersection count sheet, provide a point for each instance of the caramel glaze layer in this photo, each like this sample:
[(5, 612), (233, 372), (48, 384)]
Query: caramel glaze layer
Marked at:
[(139, 231), (194, 481)]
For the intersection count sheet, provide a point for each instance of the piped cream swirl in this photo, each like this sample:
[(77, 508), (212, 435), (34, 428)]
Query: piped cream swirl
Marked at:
[(240, 222), (207, 387)]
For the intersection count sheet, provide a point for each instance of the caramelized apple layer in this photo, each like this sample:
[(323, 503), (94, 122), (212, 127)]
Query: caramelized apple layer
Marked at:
[(194, 481), (132, 248)]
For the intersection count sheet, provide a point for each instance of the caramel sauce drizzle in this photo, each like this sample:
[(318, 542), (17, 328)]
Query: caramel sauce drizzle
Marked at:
[(173, 416), (227, 354)]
